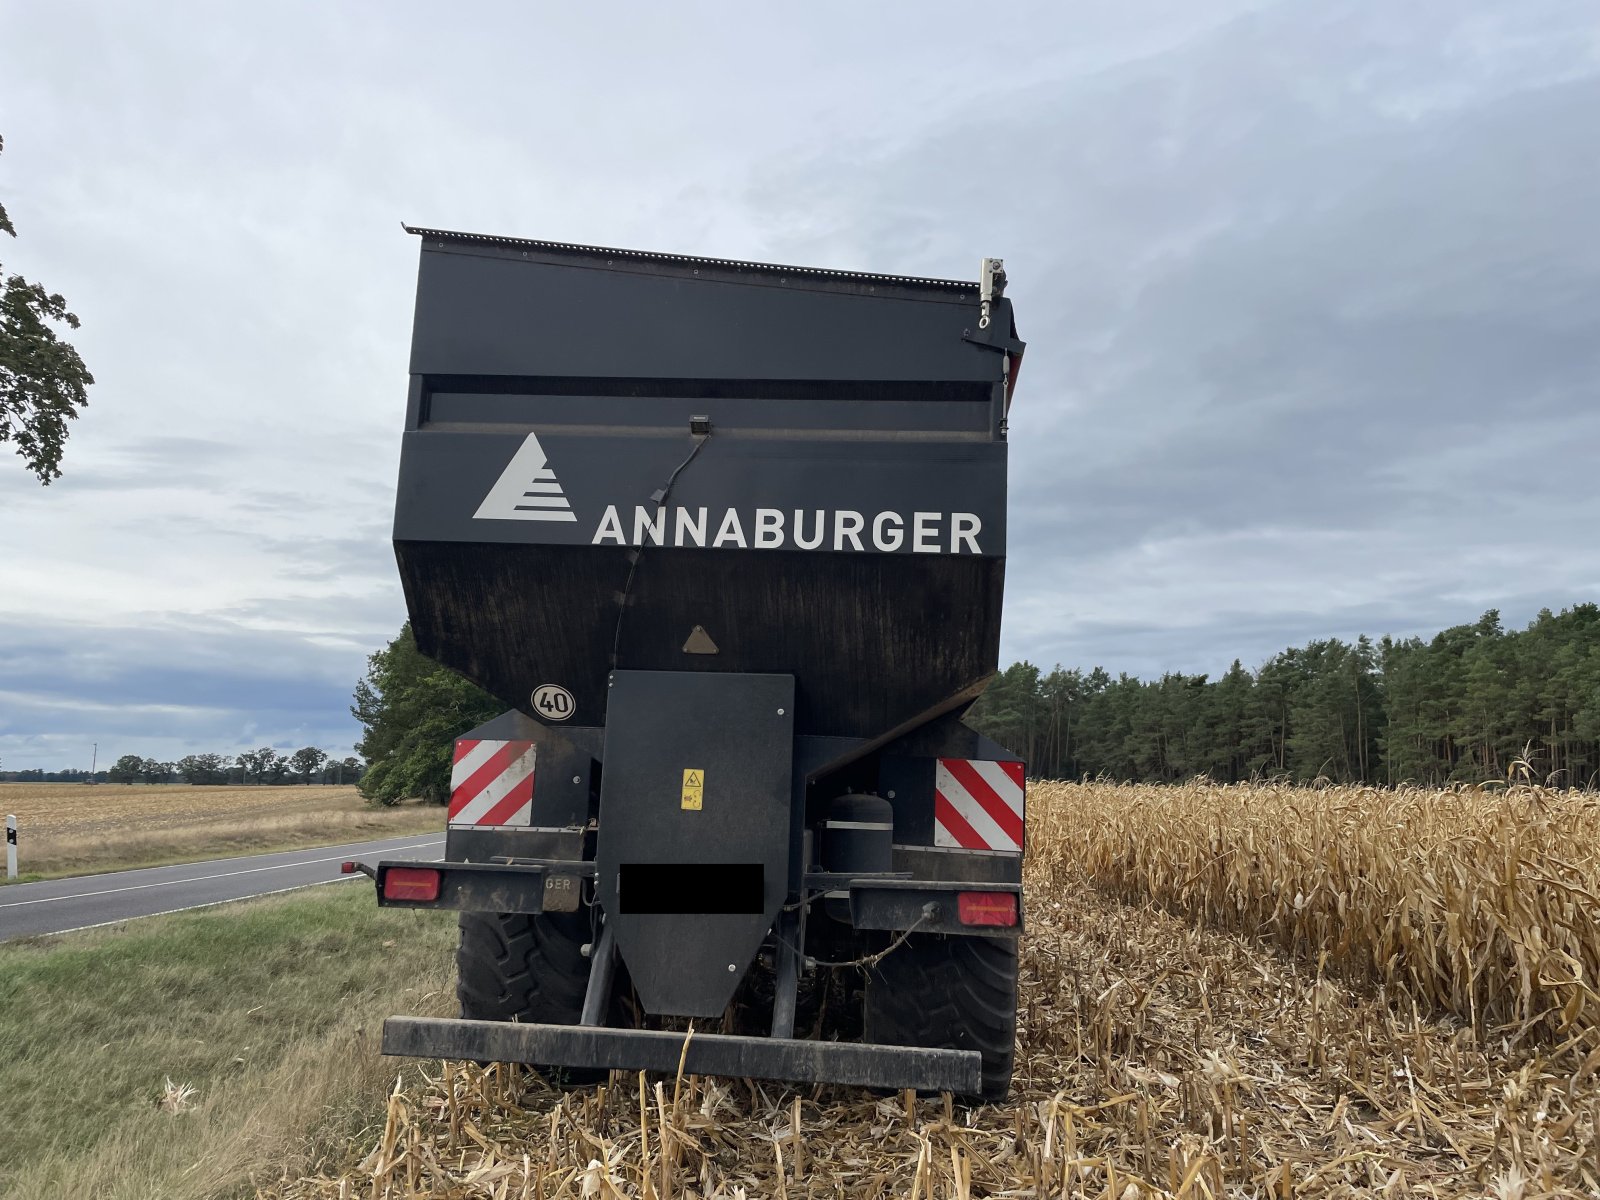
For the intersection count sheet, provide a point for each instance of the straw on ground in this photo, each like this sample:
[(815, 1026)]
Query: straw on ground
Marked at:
[(1270, 1004)]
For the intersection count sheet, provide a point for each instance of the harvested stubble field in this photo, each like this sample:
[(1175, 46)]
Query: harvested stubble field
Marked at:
[(1241, 991), (68, 828)]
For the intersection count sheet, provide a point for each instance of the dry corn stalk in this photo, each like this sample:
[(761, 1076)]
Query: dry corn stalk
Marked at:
[(1472, 900), (1288, 1027)]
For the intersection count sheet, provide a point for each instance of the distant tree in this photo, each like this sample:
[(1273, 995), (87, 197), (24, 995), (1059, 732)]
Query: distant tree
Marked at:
[(152, 771), (307, 761), (1012, 709), (342, 770), (278, 769), (127, 769), (43, 381), (260, 766), (247, 765), (413, 710), (203, 769)]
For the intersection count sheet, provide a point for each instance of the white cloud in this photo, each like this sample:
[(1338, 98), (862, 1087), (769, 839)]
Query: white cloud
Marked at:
[(1308, 290)]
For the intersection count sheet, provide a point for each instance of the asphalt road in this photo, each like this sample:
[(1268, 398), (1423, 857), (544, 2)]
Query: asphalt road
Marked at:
[(61, 905)]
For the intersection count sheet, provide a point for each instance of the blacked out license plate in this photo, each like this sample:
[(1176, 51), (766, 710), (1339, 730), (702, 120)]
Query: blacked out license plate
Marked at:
[(689, 888)]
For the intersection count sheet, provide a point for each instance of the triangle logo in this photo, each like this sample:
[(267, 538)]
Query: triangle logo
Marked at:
[(527, 490), (699, 642)]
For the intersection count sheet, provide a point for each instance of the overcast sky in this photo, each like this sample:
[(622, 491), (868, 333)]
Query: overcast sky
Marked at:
[(1311, 292)]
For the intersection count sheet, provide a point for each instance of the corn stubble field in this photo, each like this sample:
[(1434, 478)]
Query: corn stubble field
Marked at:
[(99, 809), (72, 828), (1240, 991)]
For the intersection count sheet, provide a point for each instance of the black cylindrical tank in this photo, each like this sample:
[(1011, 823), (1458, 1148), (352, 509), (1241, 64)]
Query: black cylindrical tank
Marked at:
[(858, 835), (857, 839)]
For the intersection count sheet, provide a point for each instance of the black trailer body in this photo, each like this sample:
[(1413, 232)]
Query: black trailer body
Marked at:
[(728, 539)]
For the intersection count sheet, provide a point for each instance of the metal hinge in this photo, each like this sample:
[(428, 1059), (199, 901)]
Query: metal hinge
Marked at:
[(991, 286)]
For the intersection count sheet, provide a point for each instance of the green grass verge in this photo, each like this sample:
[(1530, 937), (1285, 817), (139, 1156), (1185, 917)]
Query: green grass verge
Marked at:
[(270, 1009)]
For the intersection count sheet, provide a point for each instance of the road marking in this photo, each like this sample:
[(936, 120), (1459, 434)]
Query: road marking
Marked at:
[(137, 887), (175, 866), (169, 912)]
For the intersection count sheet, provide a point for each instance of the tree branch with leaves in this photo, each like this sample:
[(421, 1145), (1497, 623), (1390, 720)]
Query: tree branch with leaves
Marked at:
[(43, 381), (412, 711)]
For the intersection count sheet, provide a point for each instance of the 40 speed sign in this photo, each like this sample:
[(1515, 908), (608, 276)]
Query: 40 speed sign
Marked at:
[(553, 702)]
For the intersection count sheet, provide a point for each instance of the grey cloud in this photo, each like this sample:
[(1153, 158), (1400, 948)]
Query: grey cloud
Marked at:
[(1209, 644), (1324, 269), (167, 690)]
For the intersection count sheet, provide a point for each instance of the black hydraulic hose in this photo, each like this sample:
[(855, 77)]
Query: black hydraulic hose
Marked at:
[(659, 498), (660, 494)]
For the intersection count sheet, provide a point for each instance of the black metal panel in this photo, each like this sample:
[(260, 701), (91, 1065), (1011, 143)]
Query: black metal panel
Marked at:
[(736, 733), (965, 866), (492, 311), (506, 843), (874, 641), (837, 414), (906, 772), (856, 446), (682, 265), (868, 491), (948, 737), (908, 783), (784, 1059)]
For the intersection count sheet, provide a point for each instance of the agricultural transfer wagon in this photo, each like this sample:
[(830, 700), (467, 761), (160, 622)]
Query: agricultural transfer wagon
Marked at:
[(729, 539)]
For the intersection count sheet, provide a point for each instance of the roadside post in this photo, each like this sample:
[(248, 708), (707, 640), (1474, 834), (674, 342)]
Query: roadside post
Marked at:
[(11, 846)]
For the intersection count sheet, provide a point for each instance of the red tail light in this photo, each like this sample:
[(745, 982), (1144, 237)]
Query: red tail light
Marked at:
[(348, 867), (419, 884), (988, 908)]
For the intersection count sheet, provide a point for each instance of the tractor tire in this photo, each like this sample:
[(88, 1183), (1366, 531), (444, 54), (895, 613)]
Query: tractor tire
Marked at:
[(949, 993), (523, 967)]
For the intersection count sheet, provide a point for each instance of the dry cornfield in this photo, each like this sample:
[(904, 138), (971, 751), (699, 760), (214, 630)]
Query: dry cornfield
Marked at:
[(1476, 901), (1240, 991), (68, 828), (85, 809)]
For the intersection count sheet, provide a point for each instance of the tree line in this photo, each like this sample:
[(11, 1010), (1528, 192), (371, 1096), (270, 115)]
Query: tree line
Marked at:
[(264, 766), (1472, 703)]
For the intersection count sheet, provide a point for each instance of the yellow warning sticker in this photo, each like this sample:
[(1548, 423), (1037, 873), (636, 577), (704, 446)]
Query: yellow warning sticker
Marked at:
[(694, 786)]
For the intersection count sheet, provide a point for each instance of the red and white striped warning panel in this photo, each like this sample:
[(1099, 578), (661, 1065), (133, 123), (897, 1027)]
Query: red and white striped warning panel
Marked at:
[(978, 805), (492, 783)]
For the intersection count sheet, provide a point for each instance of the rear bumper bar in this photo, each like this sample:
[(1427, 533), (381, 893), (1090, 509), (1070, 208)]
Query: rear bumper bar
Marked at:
[(530, 886), (787, 1059), (554, 885)]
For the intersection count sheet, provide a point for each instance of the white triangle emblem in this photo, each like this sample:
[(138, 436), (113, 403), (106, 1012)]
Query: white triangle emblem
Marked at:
[(527, 490)]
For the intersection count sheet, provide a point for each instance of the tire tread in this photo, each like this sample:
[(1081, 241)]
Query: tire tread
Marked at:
[(525, 967), (953, 993)]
